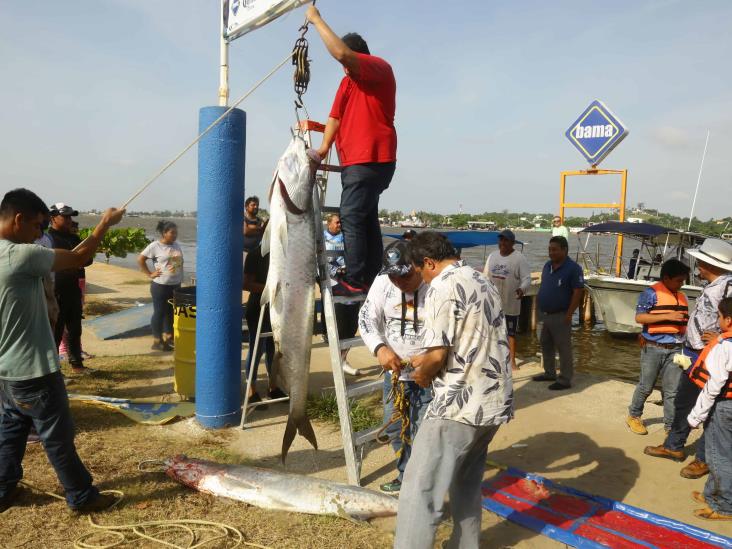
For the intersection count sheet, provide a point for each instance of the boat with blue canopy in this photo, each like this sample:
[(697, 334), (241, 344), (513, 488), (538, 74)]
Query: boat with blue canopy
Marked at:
[(615, 297)]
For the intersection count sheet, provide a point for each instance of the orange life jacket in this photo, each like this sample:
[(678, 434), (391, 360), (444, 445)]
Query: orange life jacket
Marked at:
[(699, 373), (667, 301)]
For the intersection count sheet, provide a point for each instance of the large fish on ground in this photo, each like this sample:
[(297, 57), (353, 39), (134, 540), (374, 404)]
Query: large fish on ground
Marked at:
[(290, 289), (280, 491)]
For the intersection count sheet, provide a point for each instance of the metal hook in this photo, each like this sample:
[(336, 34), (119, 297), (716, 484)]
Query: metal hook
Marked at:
[(298, 106)]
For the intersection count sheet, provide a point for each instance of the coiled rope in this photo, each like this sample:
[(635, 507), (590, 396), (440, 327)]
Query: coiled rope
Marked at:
[(200, 533)]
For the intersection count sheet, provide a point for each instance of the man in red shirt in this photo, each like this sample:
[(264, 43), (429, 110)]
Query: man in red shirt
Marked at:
[(361, 123)]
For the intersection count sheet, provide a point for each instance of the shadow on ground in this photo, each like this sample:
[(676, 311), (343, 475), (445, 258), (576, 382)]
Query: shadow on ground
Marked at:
[(91, 289), (571, 459)]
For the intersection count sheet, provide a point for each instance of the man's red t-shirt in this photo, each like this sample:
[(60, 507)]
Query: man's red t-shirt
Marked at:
[(365, 107)]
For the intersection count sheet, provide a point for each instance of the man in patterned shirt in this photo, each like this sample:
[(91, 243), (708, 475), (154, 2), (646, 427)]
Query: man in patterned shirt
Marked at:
[(714, 263), (467, 361)]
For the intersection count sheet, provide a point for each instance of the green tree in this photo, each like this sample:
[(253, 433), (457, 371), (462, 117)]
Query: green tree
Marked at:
[(119, 242)]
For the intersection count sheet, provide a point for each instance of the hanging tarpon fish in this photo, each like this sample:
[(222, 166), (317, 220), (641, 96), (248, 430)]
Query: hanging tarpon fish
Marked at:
[(280, 491), (290, 289)]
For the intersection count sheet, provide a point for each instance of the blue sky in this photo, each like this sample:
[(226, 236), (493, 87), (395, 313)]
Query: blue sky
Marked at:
[(97, 95)]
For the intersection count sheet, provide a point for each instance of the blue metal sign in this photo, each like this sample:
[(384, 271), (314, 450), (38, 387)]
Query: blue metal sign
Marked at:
[(596, 132)]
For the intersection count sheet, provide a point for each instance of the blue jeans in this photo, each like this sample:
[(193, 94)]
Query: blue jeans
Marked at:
[(362, 186), (718, 434), (654, 361), (686, 396), (43, 403), (419, 399)]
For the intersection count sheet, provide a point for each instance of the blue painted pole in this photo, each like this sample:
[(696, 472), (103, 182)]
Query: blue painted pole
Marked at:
[(220, 244)]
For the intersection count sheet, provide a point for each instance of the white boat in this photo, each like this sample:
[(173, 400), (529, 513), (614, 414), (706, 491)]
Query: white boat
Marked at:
[(412, 223), (615, 297)]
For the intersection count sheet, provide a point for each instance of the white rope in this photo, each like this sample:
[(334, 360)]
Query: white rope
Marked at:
[(204, 132), (223, 534), (219, 534)]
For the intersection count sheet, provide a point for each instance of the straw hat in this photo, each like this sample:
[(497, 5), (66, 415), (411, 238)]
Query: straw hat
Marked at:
[(714, 251)]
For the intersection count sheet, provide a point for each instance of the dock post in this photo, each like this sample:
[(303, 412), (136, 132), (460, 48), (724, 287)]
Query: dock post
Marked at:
[(534, 312), (219, 268), (588, 309)]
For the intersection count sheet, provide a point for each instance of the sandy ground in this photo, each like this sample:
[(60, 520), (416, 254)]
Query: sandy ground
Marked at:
[(577, 437)]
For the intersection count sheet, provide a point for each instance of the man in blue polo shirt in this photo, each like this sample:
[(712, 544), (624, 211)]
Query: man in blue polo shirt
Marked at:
[(560, 293)]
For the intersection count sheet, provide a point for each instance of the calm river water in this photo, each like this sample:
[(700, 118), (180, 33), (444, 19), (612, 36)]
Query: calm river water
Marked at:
[(595, 350)]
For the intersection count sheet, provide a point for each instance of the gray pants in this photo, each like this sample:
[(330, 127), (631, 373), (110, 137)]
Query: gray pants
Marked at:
[(556, 335), (447, 456)]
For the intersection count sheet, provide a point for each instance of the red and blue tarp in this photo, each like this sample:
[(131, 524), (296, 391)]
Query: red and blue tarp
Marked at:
[(587, 521)]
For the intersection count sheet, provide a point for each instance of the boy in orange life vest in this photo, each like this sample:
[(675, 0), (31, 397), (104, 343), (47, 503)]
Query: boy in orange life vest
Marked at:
[(713, 373), (664, 311)]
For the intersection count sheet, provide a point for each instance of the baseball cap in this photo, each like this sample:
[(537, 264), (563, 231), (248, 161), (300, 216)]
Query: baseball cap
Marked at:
[(507, 234), (59, 208), (396, 259)]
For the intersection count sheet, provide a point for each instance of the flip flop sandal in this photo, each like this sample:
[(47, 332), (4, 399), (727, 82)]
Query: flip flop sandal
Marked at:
[(698, 497), (709, 514)]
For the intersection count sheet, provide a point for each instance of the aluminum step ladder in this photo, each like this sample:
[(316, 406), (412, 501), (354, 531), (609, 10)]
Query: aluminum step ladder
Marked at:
[(354, 443)]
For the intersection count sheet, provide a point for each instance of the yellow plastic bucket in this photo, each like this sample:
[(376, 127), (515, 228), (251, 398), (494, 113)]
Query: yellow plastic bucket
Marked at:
[(184, 334)]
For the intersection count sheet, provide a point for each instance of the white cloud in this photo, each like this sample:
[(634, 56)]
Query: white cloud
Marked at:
[(672, 137)]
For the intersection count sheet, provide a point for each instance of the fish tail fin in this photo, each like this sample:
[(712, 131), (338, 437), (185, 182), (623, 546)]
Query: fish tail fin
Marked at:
[(290, 432), (294, 426), (305, 428)]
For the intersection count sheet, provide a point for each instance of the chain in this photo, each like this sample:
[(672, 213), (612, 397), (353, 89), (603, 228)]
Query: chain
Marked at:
[(398, 395), (302, 64), (401, 409)]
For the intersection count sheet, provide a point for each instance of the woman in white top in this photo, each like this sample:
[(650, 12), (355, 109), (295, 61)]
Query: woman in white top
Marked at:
[(167, 275)]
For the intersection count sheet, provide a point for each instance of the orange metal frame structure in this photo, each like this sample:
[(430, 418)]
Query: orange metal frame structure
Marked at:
[(619, 206)]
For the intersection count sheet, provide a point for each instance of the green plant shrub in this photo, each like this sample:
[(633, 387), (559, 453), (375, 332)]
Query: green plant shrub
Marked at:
[(119, 242)]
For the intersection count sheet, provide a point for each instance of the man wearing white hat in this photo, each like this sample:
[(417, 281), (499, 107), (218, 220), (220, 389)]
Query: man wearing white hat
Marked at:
[(714, 263)]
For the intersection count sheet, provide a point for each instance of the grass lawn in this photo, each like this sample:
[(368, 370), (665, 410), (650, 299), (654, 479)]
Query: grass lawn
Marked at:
[(111, 446)]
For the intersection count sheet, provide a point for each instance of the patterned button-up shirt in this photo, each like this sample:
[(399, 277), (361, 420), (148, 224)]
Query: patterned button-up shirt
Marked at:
[(463, 312), (704, 316)]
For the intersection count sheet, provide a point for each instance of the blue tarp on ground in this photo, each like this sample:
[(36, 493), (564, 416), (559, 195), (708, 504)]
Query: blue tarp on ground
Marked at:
[(120, 323), (149, 413)]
